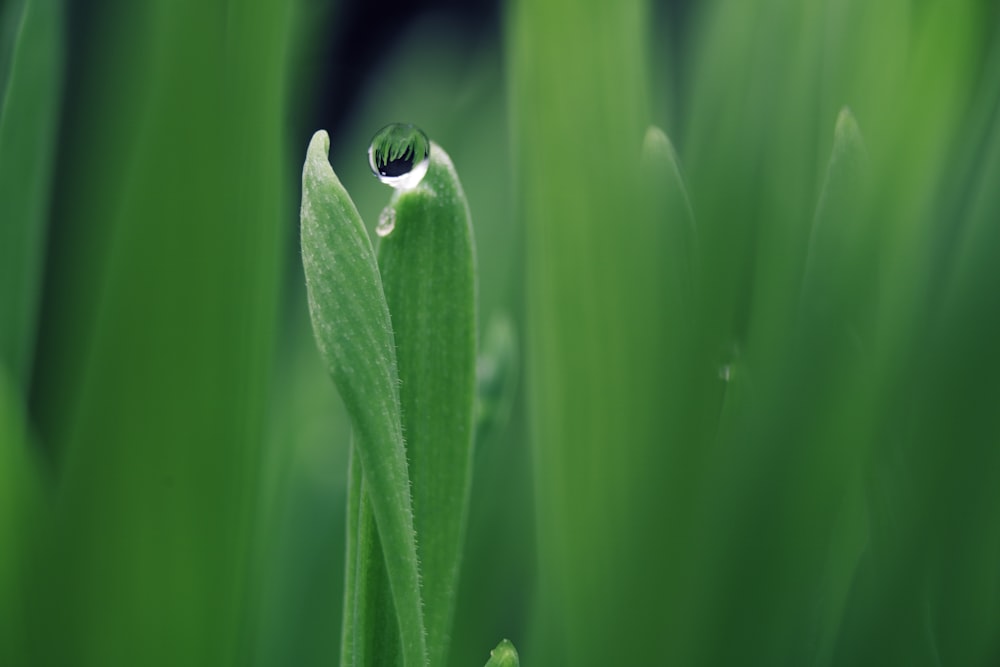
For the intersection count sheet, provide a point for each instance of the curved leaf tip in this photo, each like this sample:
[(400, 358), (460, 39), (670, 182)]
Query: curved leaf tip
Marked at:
[(353, 332)]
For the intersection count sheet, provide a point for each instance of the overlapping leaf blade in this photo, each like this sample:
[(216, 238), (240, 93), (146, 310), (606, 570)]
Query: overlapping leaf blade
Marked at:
[(354, 335), (428, 269)]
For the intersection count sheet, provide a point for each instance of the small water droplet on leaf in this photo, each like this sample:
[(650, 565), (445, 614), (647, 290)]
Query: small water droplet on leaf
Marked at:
[(386, 221), (399, 155)]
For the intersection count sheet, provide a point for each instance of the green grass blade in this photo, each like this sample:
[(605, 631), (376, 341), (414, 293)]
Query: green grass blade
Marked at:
[(429, 273), (839, 267), (671, 225), (831, 361), (30, 87), (613, 425), (352, 544), (374, 631), (496, 378), (298, 580), (19, 496), (370, 633), (354, 335), (152, 403), (959, 462), (504, 655)]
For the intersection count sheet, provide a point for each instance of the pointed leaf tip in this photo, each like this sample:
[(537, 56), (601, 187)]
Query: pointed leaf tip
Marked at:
[(504, 655), (847, 139)]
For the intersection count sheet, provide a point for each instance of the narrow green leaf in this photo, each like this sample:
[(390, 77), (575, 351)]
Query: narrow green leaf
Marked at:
[(354, 335), (155, 351), (429, 272), (370, 633), (825, 365), (690, 379), (351, 548), (840, 264), (670, 228), (375, 638), (595, 332), (958, 464), (504, 655), (30, 82), (18, 505), (496, 378)]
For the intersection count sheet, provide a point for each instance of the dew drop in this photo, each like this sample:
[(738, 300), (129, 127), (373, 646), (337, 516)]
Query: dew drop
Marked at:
[(386, 221), (399, 155), (729, 362)]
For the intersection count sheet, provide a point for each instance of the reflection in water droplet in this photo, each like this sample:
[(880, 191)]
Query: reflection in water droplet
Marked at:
[(386, 221), (399, 155)]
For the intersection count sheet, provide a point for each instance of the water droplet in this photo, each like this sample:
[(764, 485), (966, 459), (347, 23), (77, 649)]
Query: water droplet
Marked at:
[(386, 221), (399, 155), (729, 362)]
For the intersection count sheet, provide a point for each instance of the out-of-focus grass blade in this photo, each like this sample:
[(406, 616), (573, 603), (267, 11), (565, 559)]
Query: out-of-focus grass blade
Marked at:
[(19, 489), (750, 145), (299, 577), (429, 272), (617, 393), (839, 266), (831, 360), (786, 489), (355, 337), (913, 141), (958, 464), (31, 63), (496, 378), (157, 331), (928, 355), (671, 228), (504, 655), (689, 384)]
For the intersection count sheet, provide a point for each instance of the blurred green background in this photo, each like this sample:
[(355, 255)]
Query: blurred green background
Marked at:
[(758, 411)]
